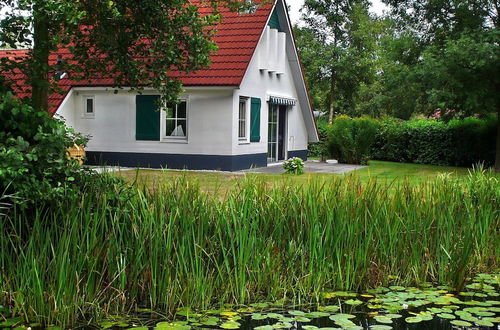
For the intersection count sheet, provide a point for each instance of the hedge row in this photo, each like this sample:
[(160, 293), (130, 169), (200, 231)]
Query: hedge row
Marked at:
[(424, 141), (463, 142)]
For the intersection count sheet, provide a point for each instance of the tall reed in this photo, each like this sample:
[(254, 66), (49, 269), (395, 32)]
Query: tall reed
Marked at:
[(174, 246)]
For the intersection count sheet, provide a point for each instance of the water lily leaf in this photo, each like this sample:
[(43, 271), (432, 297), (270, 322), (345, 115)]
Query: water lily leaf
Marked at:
[(282, 325), (104, 324), (461, 323), (296, 313), (172, 326), (370, 306), (483, 314), (139, 328), (230, 325), (259, 317), (446, 316), (274, 316), (264, 327), (397, 288), (143, 310), (394, 316), (316, 315), (485, 323), (228, 314), (210, 323), (337, 317), (332, 309), (383, 319), (367, 296), (345, 323), (246, 310), (302, 319), (413, 319), (353, 302), (426, 316), (309, 327), (380, 327)]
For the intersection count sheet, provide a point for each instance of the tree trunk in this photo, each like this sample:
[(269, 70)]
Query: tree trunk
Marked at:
[(497, 161), (332, 101), (40, 68)]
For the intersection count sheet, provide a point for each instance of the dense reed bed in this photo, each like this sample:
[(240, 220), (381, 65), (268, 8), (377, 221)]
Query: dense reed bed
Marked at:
[(174, 246)]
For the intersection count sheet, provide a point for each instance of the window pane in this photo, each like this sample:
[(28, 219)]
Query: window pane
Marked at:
[(170, 111), (181, 110), (170, 127), (181, 129), (90, 105)]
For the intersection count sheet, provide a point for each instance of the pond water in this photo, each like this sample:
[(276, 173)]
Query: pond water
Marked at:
[(395, 307)]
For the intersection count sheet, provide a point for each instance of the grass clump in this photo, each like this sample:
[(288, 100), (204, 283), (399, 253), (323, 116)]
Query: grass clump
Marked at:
[(173, 246)]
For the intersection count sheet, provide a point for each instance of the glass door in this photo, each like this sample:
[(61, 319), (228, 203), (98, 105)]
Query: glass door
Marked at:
[(272, 132)]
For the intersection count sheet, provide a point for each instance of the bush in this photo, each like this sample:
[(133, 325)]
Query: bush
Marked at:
[(33, 161), (425, 141), (350, 139), (320, 149), (294, 166)]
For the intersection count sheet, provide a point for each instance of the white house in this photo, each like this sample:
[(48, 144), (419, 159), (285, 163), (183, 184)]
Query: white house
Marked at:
[(249, 109)]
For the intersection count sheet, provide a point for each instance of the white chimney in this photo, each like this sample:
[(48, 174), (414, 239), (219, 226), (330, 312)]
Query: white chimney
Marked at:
[(273, 50), (264, 50), (281, 53)]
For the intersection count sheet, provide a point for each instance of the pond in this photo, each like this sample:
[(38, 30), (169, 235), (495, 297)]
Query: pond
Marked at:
[(395, 307)]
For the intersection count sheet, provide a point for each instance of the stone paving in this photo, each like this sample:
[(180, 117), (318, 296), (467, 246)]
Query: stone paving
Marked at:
[(310, 167)]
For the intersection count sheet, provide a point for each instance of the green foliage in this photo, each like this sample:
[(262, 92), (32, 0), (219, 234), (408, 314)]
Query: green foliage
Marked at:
[(425, 141), (174, 246), (350, 139), (294, 166), (136, 43), (33, 161), (320, 149)]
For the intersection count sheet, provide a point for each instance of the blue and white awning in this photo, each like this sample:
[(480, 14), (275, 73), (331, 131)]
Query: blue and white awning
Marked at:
[(282, 101)]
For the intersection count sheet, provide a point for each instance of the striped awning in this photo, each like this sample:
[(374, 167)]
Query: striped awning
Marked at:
[(282, 101)]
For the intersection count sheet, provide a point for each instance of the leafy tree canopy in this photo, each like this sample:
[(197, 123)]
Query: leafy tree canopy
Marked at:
[(133, 42)]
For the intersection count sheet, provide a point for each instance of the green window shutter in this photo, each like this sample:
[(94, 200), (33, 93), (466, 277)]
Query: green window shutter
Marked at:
[(255, 120), (147, 118), (274, 22)]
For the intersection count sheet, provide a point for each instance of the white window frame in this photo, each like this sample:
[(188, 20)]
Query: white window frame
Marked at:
[(174, 139), (88, 115), (246, 138)]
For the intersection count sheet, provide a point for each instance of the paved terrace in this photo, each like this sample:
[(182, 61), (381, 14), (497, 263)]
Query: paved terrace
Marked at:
[(310, 167)]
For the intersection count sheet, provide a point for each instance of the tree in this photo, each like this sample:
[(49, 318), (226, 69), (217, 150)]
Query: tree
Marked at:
[(135, 43), (340, 48), (459, 65)]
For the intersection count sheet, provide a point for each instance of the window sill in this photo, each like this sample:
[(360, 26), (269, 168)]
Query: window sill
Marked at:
[(180, 141)]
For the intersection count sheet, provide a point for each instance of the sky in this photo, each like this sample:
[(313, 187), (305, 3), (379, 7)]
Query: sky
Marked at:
[(295, 5)]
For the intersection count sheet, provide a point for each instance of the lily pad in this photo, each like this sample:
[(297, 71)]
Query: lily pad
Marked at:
[(282, 325), (302, 319), (259, 317), (446, 316), (296, 313), (413, 319), (342, 317), (383, 319), (461, 323), (353, 302), (485, 323), (230, 325), (331, 308), (380, 327), (264, 327), (309, 327), (316, 315)]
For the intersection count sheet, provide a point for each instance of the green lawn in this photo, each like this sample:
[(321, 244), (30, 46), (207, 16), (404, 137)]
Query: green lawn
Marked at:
[(223, 182)]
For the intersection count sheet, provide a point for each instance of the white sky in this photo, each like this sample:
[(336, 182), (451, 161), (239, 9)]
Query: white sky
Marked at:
[(377, 7)]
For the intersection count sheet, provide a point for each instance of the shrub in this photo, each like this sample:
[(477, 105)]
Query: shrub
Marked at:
[(33, 162), (350, 139), (425, 141), (320, 149), (294, 166)]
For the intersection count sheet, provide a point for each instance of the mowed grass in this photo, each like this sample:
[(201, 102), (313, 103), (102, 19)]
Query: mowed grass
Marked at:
[(223, 182)]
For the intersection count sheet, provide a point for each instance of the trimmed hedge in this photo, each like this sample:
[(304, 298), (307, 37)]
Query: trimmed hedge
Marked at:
[(425, 141), (350, 140)]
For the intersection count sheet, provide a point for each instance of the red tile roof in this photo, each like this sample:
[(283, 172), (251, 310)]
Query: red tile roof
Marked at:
[(237, 38)]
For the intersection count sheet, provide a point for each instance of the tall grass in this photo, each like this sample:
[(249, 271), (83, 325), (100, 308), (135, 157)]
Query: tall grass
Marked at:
[(175, 246)]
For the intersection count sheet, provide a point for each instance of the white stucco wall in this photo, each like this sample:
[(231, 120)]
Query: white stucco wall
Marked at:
[(113, 127), (212, 112), (262, 84)]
